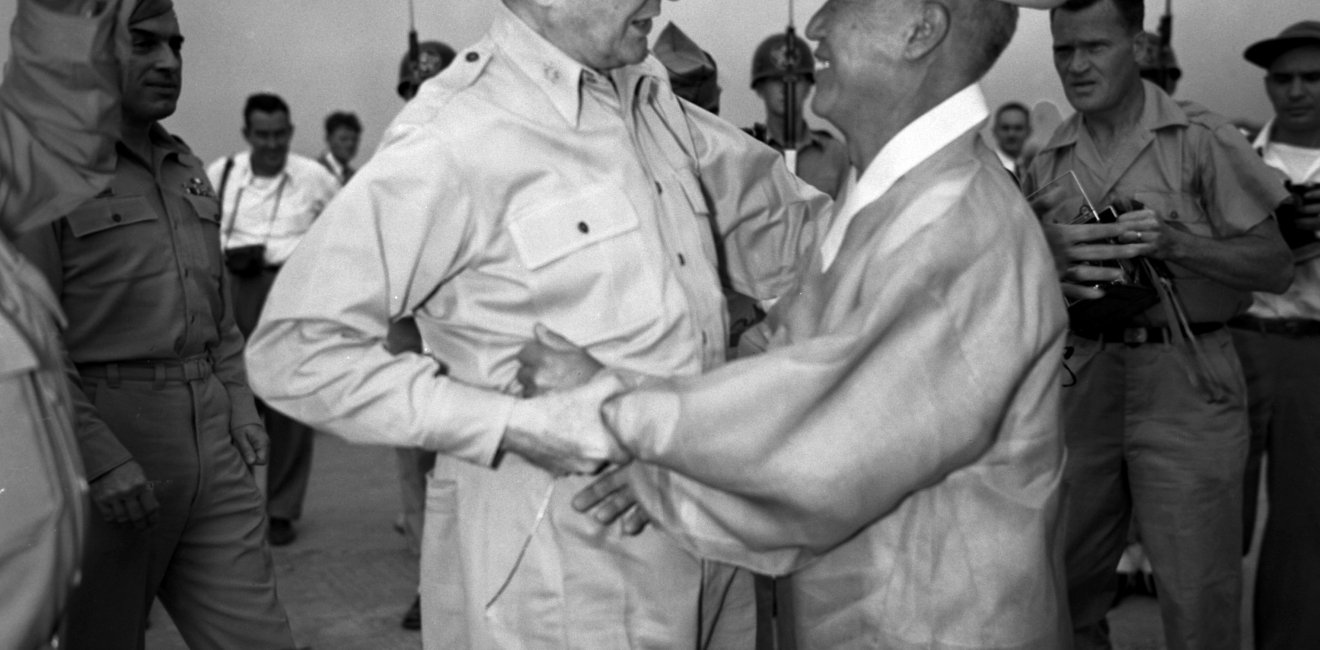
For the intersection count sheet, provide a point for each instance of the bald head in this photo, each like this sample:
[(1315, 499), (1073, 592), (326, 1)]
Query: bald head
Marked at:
[(981, 31)]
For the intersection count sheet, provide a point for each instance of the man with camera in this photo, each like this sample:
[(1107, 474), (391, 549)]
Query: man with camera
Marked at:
[(1156, 420), (167, 427), (269, 198), (1278, 340)]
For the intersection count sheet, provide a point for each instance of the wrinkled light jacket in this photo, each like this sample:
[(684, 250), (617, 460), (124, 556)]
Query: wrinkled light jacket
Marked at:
[(898, 445)]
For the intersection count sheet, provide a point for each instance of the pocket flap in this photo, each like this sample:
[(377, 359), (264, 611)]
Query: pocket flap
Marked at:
[(103, 214), (556, 231), (206, 207)]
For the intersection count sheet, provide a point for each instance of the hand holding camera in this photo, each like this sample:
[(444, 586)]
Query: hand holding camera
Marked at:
[(1299, 215)]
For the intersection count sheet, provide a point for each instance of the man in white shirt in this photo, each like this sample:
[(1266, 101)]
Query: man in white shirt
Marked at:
[(1279, 343), (269, 198), (549, 175), (343, 131), (897, 446)]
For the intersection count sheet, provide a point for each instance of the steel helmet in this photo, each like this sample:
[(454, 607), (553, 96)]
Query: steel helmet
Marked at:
[(772, 60)]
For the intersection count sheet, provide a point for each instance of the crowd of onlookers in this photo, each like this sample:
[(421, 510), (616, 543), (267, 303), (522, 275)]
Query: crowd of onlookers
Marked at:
[(656, 380)]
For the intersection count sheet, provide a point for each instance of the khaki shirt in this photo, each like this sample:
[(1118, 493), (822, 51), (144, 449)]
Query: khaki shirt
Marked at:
[(1191, 167), (58, 116), (822, 160), (593, 203), (139, 275)]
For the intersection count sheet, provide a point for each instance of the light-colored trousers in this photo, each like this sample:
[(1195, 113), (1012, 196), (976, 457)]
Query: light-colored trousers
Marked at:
[(1144, 442)]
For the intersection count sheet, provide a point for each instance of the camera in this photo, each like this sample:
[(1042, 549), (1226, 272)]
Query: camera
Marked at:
[(1288, 213)]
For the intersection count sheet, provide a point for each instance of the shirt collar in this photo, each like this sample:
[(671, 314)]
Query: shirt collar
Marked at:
[(1263, 139), (915, 143), (1157, 112), (557, 74)]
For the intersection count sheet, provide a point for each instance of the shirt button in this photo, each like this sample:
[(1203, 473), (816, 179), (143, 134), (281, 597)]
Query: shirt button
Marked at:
[(472, 57), (583, 227), (116, 217), (682, 261)]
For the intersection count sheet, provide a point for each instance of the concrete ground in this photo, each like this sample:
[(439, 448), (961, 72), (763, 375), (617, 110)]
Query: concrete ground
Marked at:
[(348, 578)]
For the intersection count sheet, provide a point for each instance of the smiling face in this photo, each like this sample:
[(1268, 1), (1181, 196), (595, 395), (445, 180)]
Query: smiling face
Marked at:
[(1095, 54), (601, 34), (861, 45), (269, 135), (154, 71), (1293, 85)]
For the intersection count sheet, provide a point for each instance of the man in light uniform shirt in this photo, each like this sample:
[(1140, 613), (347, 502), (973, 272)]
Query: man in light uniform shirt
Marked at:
[(269, 197), (898, 443), (563, 184), (1156, 420), (1279, 343)]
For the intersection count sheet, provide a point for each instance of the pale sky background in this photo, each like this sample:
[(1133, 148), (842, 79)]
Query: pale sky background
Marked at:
[(324, 55)]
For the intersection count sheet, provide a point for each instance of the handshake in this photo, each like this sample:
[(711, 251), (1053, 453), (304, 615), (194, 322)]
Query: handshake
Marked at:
[(562, 426)]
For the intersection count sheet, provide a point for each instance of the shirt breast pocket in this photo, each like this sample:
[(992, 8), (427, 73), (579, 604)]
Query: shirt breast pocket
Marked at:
[(102, 215), (1180, 210), (117, 240), (587, 266)]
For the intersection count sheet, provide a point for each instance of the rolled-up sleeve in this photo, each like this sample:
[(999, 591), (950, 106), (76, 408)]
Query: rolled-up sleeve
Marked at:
[(59, 114), (381, 248), (764, 214)]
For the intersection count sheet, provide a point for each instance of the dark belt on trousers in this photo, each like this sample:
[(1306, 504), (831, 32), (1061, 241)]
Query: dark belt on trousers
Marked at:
[(1284, 326), (159, 371), (1134, 336)]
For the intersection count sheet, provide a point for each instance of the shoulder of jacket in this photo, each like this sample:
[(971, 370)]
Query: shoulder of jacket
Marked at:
[(465, 71), (1199, 115)]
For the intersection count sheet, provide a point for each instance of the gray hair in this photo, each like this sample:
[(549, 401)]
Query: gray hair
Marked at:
[(986, 28)]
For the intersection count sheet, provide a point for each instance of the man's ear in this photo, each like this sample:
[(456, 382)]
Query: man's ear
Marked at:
[(930, 30)]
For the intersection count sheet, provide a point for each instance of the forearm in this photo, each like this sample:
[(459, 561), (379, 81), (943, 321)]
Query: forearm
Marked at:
[(344, 381), (229, 366), (764, 215), (1257, 260)]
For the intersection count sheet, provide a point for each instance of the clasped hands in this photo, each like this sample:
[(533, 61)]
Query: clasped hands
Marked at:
[(1077, 246), (560, 426)]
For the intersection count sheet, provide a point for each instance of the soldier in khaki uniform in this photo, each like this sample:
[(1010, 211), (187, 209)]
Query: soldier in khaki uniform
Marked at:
[(1156, 427), (165, 422), (815, 156)]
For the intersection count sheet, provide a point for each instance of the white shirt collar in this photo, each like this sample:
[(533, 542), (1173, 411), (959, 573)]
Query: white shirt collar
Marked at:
[(918, 141)]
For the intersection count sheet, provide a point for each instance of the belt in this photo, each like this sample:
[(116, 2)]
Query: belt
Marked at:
[(1134, 336), (162, 371), (1284, 326)]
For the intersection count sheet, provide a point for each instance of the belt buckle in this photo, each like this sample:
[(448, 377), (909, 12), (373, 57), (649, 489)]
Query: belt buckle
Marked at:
[(1134, 336)]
